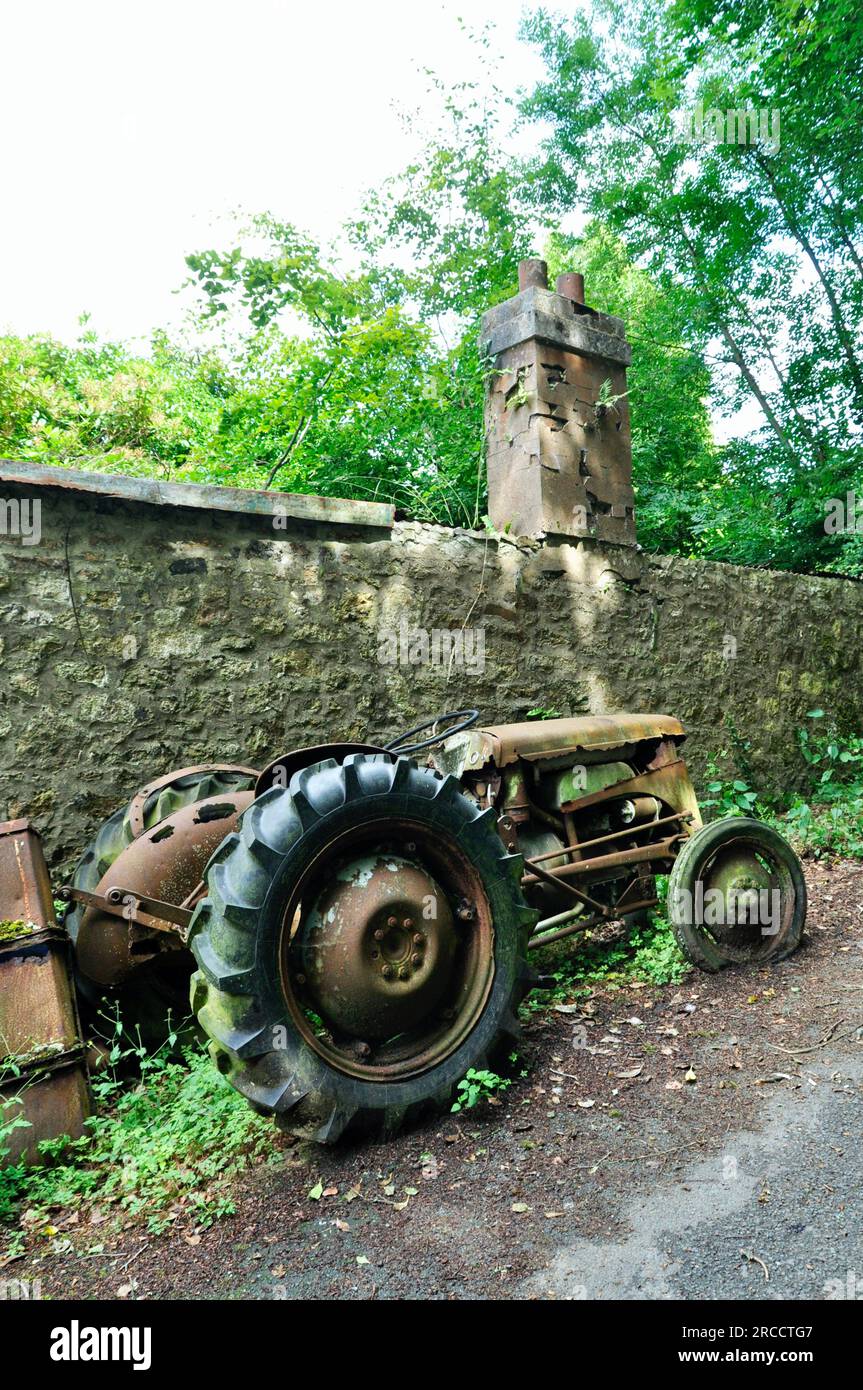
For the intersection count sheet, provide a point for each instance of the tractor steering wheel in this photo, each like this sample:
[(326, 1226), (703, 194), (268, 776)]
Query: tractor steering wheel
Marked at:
[(468, 718)]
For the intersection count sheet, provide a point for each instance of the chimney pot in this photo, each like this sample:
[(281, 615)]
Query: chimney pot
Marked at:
[(532, 272), (571, 286)]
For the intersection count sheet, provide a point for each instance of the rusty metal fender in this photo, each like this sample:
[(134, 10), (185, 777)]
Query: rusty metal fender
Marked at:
[(165, 862)]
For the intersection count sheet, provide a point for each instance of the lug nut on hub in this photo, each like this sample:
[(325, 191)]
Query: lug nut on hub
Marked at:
[(387, 972)]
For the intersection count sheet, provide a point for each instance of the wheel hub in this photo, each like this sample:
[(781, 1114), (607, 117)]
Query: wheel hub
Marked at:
[(740, 880), (376, 948)]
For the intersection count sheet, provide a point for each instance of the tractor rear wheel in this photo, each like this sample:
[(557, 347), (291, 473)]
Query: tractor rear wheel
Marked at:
[(736, 895), (159, 989), (362, 945)]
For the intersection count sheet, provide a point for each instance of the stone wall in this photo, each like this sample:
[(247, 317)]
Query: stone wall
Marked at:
[(138, 637)]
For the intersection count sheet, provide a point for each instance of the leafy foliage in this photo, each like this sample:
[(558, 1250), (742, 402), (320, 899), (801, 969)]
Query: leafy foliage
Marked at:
[(828, 821), (163, 1145), (826, 817), (477, 1085), (737, 265), (755, 241)]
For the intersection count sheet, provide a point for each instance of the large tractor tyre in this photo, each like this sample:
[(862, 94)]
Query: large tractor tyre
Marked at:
[(736, 895), (362, 945), (147, 998)]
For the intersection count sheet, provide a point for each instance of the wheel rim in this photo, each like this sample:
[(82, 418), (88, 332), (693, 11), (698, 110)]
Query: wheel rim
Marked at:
[(387, 950), (751, 907)]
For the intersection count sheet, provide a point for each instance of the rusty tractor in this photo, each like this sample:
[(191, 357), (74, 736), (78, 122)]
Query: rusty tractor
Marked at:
[(359, 922)]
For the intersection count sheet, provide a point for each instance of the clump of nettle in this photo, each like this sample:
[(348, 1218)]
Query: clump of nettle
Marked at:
[(168, 1130), (825, 816)]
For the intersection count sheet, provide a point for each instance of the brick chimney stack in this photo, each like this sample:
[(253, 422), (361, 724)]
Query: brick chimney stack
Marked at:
[(558, 445)]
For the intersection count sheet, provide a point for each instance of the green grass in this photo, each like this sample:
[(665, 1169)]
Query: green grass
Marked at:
[(645, 954)]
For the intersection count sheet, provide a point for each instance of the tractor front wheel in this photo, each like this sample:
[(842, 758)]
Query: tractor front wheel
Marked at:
[(736, 895)]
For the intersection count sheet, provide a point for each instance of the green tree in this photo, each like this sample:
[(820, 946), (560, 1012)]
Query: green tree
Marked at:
[(675, 465), (736, 233)]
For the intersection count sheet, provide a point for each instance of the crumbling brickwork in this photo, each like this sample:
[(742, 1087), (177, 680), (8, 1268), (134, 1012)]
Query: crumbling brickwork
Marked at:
[(558, 444)]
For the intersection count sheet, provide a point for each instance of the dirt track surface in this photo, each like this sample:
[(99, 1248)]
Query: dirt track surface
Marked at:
[(691, 1141)]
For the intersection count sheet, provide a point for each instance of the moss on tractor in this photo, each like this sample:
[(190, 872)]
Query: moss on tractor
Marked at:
[(9, 930)]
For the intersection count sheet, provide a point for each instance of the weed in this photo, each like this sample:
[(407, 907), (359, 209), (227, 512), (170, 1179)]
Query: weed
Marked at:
[(645, 951), (828, 820), (477, 1086), (727, 798)]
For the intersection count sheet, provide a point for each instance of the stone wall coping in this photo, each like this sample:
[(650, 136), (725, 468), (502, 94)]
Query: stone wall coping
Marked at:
[(201, 496)]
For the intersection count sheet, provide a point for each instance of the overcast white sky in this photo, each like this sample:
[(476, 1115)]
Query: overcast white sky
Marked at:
[(129, 129), (131, 133)]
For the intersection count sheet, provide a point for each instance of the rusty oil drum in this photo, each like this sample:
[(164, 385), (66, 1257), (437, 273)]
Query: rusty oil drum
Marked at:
[(43, 1075)]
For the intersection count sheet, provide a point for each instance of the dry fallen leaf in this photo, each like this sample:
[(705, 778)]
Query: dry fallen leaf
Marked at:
[(690, 1075), (519, 1206), (342, 1225), (674, 1085), (630, 1072), (586, 1104)]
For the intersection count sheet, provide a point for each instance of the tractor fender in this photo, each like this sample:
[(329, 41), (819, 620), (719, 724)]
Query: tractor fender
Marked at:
[(167, 862)]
